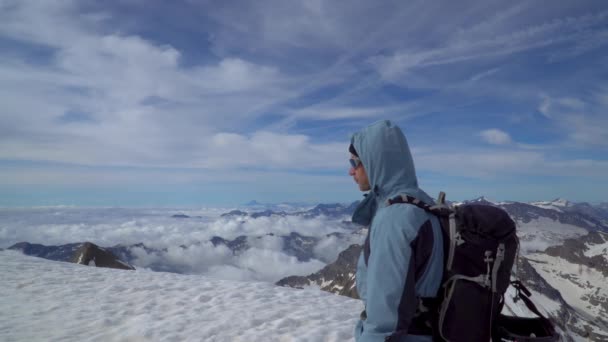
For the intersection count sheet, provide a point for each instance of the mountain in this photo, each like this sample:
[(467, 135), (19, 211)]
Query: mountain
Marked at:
[(337, 277), (557, 204), (539, 228), (579, 270), (300, 246), (527, 212), (590, 251), (93, 255), (597, 212), (335, 210), (86, 253), (479, 200), (56, 253), (294, 244), (180, 216), (234, 213), (551, 302), (237, 245)]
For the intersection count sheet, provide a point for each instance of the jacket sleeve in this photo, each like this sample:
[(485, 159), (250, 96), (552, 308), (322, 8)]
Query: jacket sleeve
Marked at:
[(390, 294)]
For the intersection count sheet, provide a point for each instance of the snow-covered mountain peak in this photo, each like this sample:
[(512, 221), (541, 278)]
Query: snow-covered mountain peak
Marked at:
[(560, 202), (481, 200)]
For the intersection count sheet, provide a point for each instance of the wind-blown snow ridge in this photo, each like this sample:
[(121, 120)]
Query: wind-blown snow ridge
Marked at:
[(55, 301)]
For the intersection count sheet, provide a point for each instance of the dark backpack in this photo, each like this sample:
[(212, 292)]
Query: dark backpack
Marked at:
[(480, 247)]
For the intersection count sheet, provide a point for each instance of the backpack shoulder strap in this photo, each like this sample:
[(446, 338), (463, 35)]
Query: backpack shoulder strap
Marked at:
[(524, 294), (440, 209), (444, 213)]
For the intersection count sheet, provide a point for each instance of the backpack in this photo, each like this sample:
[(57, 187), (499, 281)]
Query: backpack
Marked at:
[(480, 246)]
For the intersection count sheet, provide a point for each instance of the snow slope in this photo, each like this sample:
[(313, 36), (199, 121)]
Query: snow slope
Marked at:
[(582, 287), (44, 300), (543, 232)]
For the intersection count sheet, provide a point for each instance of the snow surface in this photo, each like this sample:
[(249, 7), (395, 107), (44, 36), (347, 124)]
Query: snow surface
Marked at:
[(43, 300)]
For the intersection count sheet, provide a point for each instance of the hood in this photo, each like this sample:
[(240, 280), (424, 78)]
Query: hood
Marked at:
[(386, 156)]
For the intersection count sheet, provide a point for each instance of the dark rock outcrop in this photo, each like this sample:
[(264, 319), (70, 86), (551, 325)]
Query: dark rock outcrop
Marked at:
[(91, 254), (294, 244), (573, 250), (56, 253), (234, 213), (337, 277), (237, 245), (80, 253)]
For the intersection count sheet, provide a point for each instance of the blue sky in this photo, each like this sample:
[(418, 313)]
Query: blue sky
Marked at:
[(187, 103)]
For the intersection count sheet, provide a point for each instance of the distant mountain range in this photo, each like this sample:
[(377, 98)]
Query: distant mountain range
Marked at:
[(585, 215), (294, 244), (335, 210)]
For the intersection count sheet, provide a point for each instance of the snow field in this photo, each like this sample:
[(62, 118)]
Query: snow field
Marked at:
[(43, 300), (543, 232), (578, 284)]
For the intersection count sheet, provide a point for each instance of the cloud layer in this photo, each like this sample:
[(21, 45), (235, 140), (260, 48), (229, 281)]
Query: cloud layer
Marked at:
[(183, 244)]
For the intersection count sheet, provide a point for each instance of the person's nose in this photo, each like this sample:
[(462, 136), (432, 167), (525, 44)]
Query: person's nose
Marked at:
[(351, 171)]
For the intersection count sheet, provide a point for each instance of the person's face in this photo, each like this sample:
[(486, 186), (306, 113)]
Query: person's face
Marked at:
[(359, 175)]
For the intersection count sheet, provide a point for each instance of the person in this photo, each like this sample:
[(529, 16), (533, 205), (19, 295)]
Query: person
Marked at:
[(401, 262)]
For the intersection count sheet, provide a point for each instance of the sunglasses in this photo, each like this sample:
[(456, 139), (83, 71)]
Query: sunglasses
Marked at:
[(354, 162)]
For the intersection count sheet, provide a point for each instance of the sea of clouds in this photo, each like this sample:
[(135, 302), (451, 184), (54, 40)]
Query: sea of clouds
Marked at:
[(182, 244)]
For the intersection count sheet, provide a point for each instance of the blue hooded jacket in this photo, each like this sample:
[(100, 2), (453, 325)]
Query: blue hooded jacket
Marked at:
[(402, 259)]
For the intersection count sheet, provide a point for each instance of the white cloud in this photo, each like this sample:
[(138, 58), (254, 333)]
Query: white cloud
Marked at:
[(490, 163), (271, 265), (254, 264), (182, 244), (495, 137), (266, 242), (484, 74), (491, 39), (587, 130), (480, 163), (196, 104), (145, 108), (584, 122), (550, 107), (327, 250)]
